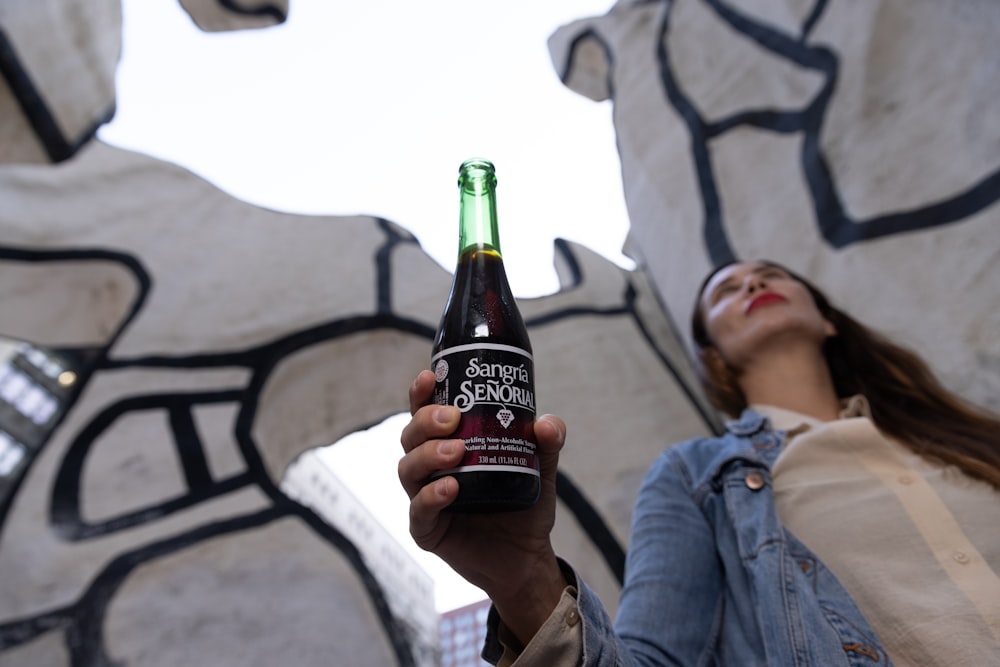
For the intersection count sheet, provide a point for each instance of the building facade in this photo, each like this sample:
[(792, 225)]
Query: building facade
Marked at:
[(463, 632)]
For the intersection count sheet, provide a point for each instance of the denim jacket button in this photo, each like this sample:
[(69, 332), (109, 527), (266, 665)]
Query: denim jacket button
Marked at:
[(754, 480)]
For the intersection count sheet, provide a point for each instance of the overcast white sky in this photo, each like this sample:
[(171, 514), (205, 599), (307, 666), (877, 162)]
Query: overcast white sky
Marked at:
[(369, 108)]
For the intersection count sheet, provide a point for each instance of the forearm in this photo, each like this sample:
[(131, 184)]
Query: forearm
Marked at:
[(668, 606), (525, 608)]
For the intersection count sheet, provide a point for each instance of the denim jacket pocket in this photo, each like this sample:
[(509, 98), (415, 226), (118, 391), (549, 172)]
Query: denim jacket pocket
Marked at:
[(857, 641)]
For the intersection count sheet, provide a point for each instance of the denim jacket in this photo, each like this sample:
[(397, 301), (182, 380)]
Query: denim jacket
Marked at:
[(712, 576)]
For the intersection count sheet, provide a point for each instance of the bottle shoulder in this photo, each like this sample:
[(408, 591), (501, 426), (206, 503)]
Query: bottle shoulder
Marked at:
[(481, 306)]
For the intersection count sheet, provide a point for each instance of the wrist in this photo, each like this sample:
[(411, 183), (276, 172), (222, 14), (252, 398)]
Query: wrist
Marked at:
[(525, 608)]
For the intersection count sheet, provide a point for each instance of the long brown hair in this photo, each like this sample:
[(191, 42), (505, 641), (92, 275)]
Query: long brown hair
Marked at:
[(908, 403)]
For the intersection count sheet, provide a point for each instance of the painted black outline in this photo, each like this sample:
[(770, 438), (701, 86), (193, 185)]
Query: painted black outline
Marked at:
[(66, 516), (836, 226), (91, 358), (590, 34), (585, 513), (38, 114), (714, 235), (814, 16), (593, 525), (394, 237), (261, 361), (83, 621), (264, 9)]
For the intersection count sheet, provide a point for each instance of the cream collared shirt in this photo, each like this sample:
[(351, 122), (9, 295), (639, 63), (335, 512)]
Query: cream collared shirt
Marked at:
[(916, 544)]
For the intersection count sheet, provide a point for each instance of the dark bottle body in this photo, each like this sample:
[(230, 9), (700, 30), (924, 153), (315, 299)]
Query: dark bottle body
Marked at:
[(483, 364)]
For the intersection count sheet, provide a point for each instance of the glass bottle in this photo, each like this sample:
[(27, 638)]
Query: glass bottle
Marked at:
[(483, 364)]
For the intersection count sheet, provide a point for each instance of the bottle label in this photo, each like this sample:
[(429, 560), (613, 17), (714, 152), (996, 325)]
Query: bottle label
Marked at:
[(493, 385)]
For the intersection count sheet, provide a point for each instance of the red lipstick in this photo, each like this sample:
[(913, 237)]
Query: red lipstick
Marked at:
[(764, 300)]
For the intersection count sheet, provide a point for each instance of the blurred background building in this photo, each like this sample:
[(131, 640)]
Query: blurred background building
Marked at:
[(409, 590), (36, 386), (463, 632)]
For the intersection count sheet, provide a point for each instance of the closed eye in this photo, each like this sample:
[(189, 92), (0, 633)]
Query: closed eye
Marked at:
[(722, 290), (725, 289)]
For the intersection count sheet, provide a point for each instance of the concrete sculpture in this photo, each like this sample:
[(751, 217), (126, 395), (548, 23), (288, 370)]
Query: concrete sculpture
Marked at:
[(854, 142)]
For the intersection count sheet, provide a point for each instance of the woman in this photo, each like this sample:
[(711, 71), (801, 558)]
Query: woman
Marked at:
[(849, 514)]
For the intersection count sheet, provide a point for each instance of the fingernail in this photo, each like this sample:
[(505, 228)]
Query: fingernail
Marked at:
[(443, 415), (446, 448)]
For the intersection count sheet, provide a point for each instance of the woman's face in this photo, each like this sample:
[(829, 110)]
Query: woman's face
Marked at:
[(751, 307)]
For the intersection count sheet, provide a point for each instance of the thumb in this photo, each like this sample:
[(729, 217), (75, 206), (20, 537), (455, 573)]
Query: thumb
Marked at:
[(550, 433)]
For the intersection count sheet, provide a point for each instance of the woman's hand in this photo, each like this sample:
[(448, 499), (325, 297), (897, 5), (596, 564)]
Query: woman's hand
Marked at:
[(509, 555)]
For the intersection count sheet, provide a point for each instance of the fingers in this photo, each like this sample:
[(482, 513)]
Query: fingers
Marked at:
[(421, 390), (430, 421), (427, 524), (420, 463), (550, 432), (424, 438)]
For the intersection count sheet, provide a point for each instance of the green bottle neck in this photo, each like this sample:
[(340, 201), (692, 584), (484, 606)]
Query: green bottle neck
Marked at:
[(477, 215)]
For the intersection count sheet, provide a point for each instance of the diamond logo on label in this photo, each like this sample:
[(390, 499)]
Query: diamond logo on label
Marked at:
[(505, 416)]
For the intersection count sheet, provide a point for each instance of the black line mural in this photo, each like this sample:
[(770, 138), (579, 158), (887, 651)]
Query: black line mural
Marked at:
[(816, 133), (837, 226), (32, 104), (82, 621), (265, 385)]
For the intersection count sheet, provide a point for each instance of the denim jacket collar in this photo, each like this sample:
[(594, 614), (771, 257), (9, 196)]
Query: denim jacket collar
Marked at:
[(749, 439), (748, 424)]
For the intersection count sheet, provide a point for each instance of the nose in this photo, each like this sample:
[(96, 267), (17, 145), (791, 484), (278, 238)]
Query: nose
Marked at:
[(754, 282)]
